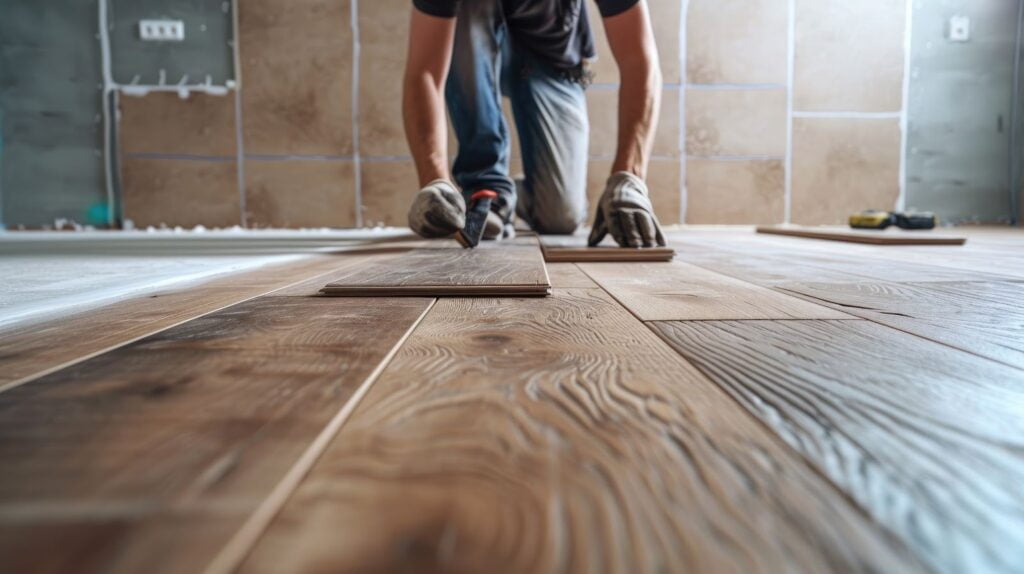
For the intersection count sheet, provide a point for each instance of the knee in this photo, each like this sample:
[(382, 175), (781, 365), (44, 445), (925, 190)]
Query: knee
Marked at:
[(564, 222)]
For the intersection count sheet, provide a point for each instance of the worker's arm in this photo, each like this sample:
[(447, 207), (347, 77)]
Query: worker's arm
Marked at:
[(625, 208), (438, 210)]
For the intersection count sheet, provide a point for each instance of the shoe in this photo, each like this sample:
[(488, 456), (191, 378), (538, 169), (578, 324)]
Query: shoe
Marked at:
[(495, 229)]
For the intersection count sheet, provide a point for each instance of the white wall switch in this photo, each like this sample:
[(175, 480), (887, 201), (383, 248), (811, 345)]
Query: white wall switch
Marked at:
[(162, 30), (959, 29)]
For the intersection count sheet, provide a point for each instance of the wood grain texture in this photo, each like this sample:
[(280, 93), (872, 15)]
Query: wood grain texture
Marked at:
[(573, 249), (569, 276), (889, 237), (28, 351), (678, 291), (201, 420), (985, 318), (507, 268), (559, 435), (929, 440)]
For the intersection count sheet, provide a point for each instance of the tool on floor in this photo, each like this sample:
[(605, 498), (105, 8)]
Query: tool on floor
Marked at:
[(476, 217), (878, 219)]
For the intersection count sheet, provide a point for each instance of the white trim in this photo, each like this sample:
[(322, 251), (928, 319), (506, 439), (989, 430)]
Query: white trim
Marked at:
[(108, 88), (358, 179), (901, 200), (684, 12), (850, 115), (787, 208)]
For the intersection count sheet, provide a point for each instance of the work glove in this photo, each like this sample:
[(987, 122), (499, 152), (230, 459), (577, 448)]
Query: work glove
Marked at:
[(438, 210), (625, 211)]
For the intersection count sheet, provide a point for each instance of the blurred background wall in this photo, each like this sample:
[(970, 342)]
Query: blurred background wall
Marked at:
[(773, 111)]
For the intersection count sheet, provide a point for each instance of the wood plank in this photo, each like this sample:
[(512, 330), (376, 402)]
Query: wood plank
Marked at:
[(569, 276), (32, 350), (985, 318), (506, 268), (887, 237), (929, 440), (560, 435), (574, 249), (202, 420), (678, 291)]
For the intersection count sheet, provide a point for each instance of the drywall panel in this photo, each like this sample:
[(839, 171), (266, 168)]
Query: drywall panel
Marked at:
[(51, 130), (206, 50), (960, 110)]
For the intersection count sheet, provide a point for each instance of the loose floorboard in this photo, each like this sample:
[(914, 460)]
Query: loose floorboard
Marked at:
[(35, 349), (678, 291), (928, 439), (887, 237), (986, 318), (507, 268), (202, 420), (574, 249), (560, 435)]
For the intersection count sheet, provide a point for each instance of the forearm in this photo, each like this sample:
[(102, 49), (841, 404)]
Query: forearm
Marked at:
[(639, 105), (423, 111)]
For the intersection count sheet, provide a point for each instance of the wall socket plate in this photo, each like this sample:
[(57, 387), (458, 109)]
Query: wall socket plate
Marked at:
[(162, 30), (960, 29)]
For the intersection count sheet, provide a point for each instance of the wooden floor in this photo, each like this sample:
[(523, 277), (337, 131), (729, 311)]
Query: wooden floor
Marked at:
[(759, 404)]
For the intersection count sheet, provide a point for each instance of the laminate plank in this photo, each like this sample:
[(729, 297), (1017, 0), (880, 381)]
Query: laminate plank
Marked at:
[(560, 435), (985, 318), (506, 268), (569, 276), (574, 249), (678, 291), (888, 237), (203, 419), (30, 351), (929, 440)]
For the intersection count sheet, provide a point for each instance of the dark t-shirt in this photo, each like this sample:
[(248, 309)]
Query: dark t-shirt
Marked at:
[(556, 31)]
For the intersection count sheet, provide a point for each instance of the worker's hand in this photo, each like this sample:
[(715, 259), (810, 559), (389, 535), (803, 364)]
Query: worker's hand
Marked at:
[(625, 211), (438, 210)]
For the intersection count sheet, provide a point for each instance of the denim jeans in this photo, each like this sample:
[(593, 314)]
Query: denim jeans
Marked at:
[(551, 118)]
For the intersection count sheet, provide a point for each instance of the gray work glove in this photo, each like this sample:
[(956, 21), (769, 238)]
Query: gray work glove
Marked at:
[(438, 210), (625, 211)]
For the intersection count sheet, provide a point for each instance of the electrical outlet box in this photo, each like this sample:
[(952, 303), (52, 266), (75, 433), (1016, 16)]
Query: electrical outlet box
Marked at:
[(162, 30), (959, 29)]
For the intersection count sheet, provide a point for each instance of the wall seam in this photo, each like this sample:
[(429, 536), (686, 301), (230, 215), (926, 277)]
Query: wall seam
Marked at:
[(358, 179), (1015, 156), (684, 196), (850, 115), (787, 201), (108, 82), (908, 30), (236, 48)]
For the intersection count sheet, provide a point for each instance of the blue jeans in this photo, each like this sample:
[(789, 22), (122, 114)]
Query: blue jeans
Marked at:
[(550, 113)]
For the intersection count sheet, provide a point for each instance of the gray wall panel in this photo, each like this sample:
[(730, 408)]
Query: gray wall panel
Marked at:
[(960, 111)]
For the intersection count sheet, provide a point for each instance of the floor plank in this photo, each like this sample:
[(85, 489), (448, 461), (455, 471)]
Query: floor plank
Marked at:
[(29, 351), (887, 237), (202, 419), (510, 268), (929, 440), (986, 318), (574, 249), (569, 276), (560, 435), (678, 291)]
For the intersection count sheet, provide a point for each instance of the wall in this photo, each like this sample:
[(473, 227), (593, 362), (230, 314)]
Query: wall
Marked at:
[(51, 131), (320, 140), (958, 163)]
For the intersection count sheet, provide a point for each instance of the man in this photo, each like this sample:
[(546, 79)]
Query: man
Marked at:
[(534, 52)]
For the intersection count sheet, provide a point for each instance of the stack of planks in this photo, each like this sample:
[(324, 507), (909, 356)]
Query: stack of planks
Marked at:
[(754, 405)]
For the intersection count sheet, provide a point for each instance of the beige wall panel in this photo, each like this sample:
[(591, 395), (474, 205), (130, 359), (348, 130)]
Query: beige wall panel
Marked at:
[(297, 76), (185, 193), (162, 122), (664, 20), (662, 184), (383, 35), (735, 192), (736, 122), (849, 56), (388, 190), (602, 107), (300, 193), (737, 41), (841, 166)]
